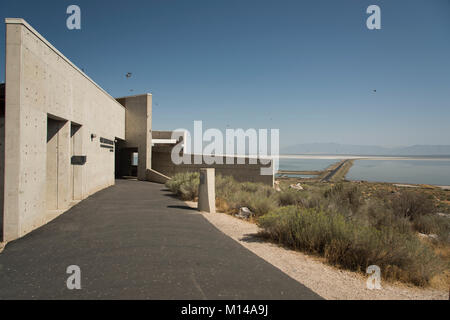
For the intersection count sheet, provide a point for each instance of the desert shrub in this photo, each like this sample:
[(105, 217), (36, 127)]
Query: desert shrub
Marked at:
[(344, 197), (290, 197), (223, 206), (226, 186), (314, 199), (263, 190), (189, 189), (237, 200), (428, 224), (352, 245), (185, 185), (305, 229), (259, 198), (433, 224), (260, 204), (249, 186), (174, 183), (410, 204), (376, 213)]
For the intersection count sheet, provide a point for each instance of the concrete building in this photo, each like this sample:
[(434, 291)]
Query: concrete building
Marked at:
[(63, 138)]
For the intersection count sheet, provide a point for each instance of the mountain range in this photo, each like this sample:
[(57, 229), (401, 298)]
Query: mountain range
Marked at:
[(336, 148)]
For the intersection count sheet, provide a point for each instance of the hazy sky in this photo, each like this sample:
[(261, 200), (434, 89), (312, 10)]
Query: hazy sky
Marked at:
[(308, 68)]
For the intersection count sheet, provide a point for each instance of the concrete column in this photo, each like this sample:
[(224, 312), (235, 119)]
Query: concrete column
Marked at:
[(58, 165), (77, 170), (148, 134), (207, 190), (142, 162), (52, 164), (138, 127), (13, 152)]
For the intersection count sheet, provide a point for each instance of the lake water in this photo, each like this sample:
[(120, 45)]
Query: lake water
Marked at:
[(414, 170), (305, 164), (435, 172)]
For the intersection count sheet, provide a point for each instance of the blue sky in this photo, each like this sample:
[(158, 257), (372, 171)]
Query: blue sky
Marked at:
[(307, 67)]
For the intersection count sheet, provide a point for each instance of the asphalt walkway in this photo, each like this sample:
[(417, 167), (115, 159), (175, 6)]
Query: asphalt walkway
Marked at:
[(135, 241)]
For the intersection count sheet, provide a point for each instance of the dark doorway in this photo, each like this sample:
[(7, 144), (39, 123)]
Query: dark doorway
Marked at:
[(125, 161)]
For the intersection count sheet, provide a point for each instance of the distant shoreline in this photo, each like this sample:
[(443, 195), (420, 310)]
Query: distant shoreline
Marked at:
[(340, 158), (362, 157)]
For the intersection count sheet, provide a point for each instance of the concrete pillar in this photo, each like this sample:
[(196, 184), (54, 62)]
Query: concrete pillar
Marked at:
[(13, 115), (207, 190), (58, 164), (76, 141), (52, 164), (148, 134), (138, 127)]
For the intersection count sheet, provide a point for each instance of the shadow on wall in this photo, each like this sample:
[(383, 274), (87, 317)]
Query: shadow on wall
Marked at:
[(2, 154)]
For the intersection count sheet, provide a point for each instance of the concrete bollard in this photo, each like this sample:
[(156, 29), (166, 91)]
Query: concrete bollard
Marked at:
[(207, 190)]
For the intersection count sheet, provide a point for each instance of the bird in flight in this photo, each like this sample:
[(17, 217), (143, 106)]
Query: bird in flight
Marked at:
[(128, 75)]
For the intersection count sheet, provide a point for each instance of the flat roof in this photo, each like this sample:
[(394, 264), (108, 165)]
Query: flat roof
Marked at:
[(136, 95), (37, 34)]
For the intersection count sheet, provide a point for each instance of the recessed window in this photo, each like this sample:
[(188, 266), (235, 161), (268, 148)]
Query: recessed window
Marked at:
[(134, 159)]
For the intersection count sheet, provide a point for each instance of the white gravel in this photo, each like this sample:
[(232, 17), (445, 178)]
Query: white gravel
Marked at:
[(327, 281)]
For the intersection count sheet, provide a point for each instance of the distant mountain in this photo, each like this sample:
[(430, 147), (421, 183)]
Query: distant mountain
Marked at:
[(336, 148)]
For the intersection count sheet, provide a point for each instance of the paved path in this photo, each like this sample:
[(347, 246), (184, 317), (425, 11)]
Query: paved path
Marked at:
[(135, 241)]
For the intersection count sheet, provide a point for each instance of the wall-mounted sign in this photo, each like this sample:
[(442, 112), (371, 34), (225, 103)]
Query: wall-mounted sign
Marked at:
[(78, 160), (106, 141)]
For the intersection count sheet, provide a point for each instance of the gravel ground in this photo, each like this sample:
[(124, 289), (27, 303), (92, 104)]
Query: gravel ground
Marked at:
[(327, 281)]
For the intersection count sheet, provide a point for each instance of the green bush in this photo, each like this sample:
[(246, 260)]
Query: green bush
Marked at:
[(433, 224), (237, 200), (259, 198), (344, 198), (226, 186), (351, 245), (290, 197), (338, 224), (411, 204), (375, 212), (189, 189), (249, 186), (185, 185), (260, 204)]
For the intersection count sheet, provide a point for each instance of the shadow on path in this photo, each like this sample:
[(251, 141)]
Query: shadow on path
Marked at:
[(131, 241)]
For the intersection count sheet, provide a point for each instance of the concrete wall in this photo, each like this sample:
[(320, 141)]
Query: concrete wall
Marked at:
[(44, 90), (241, 172), (138, 126), (247, 171), (2, 154)]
